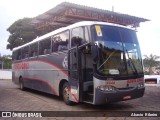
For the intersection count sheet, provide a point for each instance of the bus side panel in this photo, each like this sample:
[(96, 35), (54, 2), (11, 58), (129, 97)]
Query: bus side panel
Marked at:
[(16, 72), (14, 78), (44, 73)]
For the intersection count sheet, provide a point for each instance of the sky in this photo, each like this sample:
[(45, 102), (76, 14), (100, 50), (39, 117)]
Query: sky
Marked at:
[(148, 32)]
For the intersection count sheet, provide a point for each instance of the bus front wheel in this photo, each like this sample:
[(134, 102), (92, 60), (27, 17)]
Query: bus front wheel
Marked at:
[(66, 90), (21, 85)]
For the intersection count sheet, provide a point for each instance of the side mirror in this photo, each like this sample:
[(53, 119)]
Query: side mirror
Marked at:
[(94, 50)]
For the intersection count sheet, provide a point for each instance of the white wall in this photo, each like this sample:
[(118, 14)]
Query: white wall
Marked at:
[(5, 74), (153, 76)]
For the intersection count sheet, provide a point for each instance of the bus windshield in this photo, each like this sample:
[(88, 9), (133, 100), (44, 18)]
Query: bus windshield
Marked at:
[(119, 51)]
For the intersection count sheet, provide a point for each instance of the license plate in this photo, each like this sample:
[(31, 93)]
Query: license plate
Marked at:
[(127, 97)]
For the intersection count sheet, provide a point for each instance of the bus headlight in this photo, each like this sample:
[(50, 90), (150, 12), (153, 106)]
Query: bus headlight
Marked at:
[(107, 88), (140, 85)]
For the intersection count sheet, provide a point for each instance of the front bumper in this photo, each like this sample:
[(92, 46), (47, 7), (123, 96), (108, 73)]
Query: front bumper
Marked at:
[(102, 97)]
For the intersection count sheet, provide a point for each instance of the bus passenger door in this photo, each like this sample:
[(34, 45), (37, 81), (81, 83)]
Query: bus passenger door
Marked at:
[(74, 74)]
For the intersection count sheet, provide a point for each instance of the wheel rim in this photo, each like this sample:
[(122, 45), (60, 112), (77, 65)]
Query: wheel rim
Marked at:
[(20, 85), (66, 94)]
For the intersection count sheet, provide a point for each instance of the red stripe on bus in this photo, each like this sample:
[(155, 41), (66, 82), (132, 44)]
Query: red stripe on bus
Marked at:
[(49, 64), (75, 97), (53, 90)]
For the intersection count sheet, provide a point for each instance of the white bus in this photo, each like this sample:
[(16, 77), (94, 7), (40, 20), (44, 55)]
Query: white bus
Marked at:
[(92, 62)]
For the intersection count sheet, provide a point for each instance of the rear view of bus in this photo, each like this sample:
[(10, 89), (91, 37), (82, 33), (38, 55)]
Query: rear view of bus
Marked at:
[(118, 73)]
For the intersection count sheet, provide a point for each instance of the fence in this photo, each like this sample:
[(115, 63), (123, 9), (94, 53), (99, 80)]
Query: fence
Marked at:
[(5, 74)]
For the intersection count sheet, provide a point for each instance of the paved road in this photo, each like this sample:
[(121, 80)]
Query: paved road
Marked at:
[(13, 99)]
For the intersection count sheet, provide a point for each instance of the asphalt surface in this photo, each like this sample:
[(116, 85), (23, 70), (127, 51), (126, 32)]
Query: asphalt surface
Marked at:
[(13, 99)]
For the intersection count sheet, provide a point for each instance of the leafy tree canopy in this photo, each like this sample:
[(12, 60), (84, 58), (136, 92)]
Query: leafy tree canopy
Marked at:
[(6, 60), (151, 60), (21, 32)]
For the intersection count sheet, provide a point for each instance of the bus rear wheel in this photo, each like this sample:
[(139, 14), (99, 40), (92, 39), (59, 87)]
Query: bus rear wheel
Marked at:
[(21, 85), (65, 94)]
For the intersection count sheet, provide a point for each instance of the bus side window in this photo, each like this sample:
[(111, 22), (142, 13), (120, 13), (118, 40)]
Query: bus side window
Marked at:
[(25, 52), (34, 49), (18, 54), (86, 34), (14, 55), (63, 44), (45, 46), (60, 42), (54, 44), (77, 37)]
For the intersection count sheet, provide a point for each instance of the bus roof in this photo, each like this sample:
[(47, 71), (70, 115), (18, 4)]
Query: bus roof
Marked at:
[(83, 23)]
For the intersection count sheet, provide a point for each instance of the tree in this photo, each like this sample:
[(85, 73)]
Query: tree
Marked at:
[(21, 32), (6, 60), (150, 62)]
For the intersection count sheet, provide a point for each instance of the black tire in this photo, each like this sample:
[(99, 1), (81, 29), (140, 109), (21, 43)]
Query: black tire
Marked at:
[(65, 94), (21, 85)]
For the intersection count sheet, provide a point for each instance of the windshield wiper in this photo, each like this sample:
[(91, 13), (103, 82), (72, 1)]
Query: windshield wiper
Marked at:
[(131, 61), (106, 59)]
